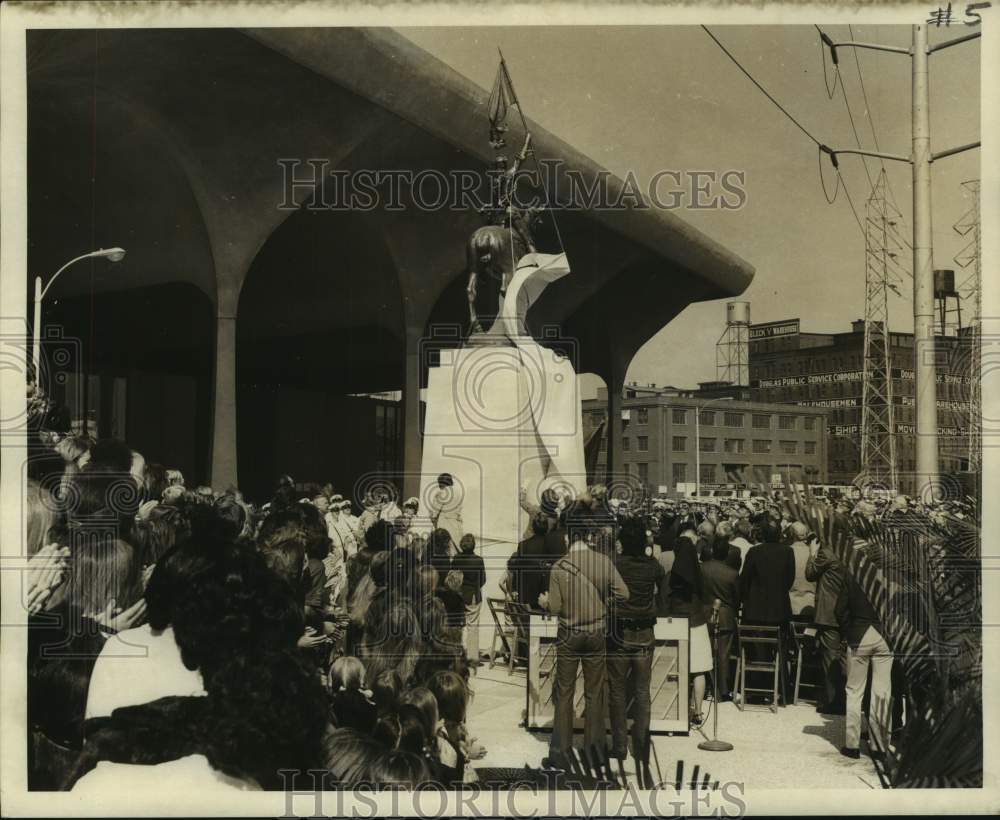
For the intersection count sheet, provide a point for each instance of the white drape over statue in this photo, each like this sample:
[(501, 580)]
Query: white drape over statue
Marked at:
[(503, 413)]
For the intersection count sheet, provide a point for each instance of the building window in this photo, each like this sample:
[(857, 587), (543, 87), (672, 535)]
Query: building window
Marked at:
[(761, 421), (644, 473), (735, 445), (706, 445), (679, 444), (707, 417), (786, 422), (810, 422), (626, 444), (761, 445), (679, 473), (642, 443), (642, 415), (810, 448), (678, 416), (706, 474), (734, 420), (789, 447)]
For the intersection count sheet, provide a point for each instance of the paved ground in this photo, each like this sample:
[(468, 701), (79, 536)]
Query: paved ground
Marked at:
[(795, 748)]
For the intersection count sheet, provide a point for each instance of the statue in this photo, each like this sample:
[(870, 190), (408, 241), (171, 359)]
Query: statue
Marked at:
[(503, 412)]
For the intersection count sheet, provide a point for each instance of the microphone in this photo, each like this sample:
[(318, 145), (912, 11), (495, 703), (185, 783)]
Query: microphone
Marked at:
[(715, 745)]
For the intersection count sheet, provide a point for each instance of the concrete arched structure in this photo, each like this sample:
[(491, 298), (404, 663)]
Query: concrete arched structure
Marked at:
[(209, 113)]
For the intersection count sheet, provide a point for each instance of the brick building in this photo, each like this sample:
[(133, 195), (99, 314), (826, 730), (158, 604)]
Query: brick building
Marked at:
[(739, 443), (791, 367)]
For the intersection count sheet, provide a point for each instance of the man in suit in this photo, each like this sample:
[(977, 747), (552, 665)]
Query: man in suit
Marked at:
[(767, 576), (828, 573), (720, 582), (866, 646), (530, 563)]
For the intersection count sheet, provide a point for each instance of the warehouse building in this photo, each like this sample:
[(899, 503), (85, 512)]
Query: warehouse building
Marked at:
[(826, 370), (676, 440)]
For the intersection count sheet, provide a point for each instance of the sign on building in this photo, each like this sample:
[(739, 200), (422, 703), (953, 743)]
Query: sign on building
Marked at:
[(771, 330)]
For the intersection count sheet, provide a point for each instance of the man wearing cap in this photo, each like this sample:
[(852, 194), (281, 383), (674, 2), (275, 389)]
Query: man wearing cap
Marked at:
[(583, 586), (340, 532), (351, 520), (802, 595), (402, 526)]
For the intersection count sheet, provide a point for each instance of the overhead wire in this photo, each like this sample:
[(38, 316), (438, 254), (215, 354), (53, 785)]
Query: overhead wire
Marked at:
[(857, 137), (822, 148), (871, 124), (763, 90)]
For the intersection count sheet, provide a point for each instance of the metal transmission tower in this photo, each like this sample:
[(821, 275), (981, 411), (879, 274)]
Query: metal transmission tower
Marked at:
[(878, 425), (970, 258)]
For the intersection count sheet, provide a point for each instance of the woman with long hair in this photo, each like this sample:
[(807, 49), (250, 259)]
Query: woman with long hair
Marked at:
[(686, 602)]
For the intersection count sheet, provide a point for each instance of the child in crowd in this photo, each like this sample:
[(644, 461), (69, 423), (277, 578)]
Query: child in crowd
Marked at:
[(352, 706), (452, 695)]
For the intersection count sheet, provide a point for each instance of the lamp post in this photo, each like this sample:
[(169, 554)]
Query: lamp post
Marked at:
[(697, 440), (111, 254)]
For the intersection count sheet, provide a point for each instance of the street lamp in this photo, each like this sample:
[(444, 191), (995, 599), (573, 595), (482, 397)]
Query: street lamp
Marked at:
[(111, 254), (697, 439)]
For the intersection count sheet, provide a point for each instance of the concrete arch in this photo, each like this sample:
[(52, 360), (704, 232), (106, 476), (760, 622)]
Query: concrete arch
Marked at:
[(320, 317)]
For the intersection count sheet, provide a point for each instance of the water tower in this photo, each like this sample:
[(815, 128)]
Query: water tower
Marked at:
[(732, 351), (944, 290)]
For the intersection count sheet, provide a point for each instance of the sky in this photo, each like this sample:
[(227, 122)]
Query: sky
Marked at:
[(645, 99)]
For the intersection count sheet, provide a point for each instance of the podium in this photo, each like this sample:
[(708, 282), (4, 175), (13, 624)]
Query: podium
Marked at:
[(668, 687)]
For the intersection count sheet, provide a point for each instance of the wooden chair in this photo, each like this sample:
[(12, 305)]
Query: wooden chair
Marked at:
[(518, 615), (770, 638), (503, 629), (804, 637)]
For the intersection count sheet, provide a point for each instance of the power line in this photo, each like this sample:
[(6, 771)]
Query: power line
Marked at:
[(840, 179), (762, 89), (851, 203), (871, 122), (854, 129)]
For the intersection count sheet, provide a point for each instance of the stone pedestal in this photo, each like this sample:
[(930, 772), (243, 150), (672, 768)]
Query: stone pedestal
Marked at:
[(500, 418)]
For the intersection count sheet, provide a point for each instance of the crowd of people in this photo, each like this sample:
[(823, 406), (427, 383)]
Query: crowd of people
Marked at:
[(187, 634), (609, 572)]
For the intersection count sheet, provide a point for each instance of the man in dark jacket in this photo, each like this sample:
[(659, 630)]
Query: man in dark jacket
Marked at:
[(473, 577), (720, 582), (768, 574), (866, 646), (828, 574), (530, 563), (631, 641)]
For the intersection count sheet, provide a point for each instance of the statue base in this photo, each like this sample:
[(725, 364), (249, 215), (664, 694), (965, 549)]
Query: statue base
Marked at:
[(502, 415)]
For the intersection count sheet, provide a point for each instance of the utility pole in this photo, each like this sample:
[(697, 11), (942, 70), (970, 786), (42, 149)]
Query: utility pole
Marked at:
[(920, 158), (925, 371)]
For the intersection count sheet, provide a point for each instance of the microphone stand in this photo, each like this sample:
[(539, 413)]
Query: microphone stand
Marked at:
[(715, 745)]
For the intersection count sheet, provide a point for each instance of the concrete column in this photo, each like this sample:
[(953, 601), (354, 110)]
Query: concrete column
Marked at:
[(412, 440), (616, 384), (223, 460)]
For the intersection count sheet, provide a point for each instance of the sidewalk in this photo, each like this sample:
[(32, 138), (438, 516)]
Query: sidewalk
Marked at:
[(795, 748)]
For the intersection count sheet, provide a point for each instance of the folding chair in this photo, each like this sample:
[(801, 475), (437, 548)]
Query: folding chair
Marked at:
[(770, 638), (502, 628), (518, 615), (804, 637)]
